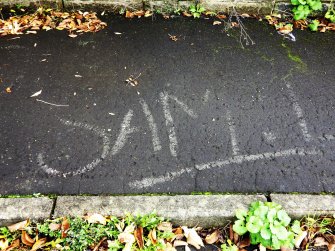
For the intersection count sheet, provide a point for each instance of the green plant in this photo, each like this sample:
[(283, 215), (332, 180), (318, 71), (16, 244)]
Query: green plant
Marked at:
[(318, 225), (302, 8), (230, 247), (330, 14), (268, 224), (177, 11), (196, 10), (314, 25)]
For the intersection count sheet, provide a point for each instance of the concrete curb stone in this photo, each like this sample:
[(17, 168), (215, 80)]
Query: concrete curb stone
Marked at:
[(299, 205), (13, 210), (191, 210)]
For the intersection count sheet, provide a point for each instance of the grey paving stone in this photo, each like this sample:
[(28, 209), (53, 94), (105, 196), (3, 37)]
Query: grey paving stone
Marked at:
[(211, 210), (13, 210), (299, 205)]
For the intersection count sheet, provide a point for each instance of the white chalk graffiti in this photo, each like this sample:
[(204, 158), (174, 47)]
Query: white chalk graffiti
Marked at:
[(169, 120), (127, 129)]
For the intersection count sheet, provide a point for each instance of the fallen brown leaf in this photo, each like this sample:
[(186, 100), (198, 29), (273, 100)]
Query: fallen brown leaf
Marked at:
[(39, 244), (148, 13), (186, 14), (65, 227), (166, 227), (129, 14), (192, 237), (54, 226), (331, 247), (96, 248), (15, 244), (173, 38), (139, 13), (96, 218), (213, 237), (221, 16), (152, 236), (178, 243), (245, 242), (320, 241), (26, 239), (20, 225), (138, 233)]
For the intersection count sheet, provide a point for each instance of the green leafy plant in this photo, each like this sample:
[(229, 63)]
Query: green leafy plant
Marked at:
[(314, 25), (302, 8), (330, 14), (196, 10), (268, 224), (229, 246)]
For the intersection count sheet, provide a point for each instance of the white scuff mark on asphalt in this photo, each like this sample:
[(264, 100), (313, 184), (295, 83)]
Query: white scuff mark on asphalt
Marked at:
[(89, 167), (299, 112), (124, 132), (269, 136), (206, 96), (152, 125), (48, 103), (232, 131), (239, 159)]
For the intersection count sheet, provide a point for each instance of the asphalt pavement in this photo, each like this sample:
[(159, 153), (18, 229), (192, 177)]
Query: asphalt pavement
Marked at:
[(128, 110)]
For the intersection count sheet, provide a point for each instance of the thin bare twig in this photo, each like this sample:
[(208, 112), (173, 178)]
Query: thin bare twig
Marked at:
[(244, 36), (45, 102)]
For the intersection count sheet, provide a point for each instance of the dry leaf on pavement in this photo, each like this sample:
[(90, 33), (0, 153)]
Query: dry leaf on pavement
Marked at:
[(138, 233), (20, 225), (213, 237), (65, 227), (96, 218), (165, 226), (26, 239), (173, 38), (192, 237), (39, 244), (320, 241), (186, 14)]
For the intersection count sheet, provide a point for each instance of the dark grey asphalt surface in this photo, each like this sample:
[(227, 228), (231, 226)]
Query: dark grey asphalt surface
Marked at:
[(206, 115)]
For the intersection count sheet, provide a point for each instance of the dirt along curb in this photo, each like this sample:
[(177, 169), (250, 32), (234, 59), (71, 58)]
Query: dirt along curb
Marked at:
[(190, 210)]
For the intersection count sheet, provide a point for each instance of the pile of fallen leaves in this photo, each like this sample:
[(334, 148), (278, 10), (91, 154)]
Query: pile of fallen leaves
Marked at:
[(98, 233), (286, 25), (148, 232), (47, 19)]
